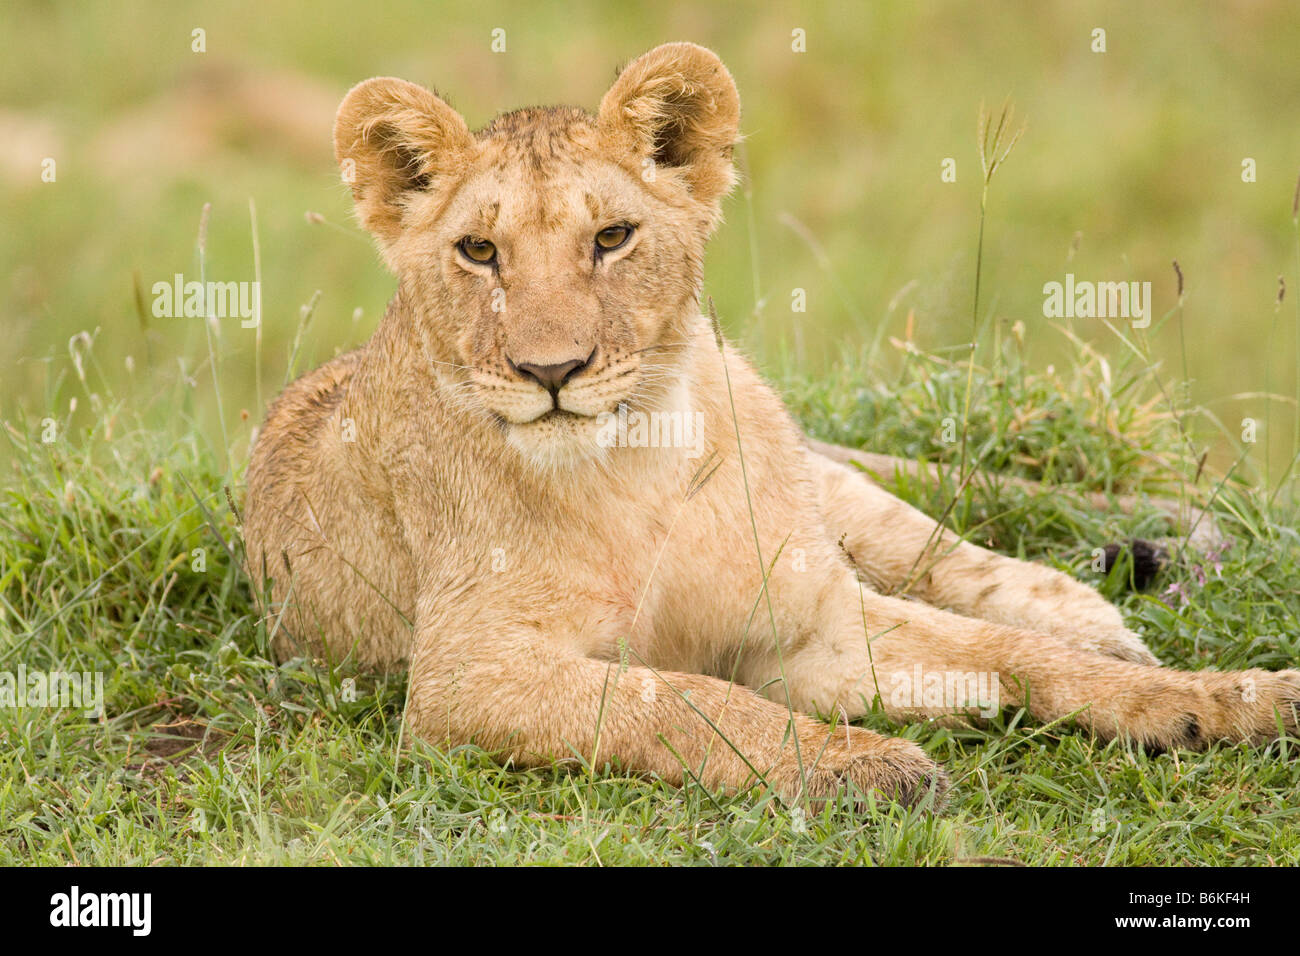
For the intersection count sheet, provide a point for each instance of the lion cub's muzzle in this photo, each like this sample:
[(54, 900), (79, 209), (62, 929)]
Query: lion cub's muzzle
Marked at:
[(535, 389), (551, 377)]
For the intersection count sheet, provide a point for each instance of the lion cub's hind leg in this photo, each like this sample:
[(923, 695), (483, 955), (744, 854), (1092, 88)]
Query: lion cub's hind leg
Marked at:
[(897, 548), (919, 661)]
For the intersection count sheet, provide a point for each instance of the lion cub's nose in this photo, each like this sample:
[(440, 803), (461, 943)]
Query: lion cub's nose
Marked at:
[(551, 377)]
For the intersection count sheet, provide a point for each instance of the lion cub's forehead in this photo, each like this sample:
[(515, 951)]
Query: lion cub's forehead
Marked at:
[(543, 167), (539, 135)]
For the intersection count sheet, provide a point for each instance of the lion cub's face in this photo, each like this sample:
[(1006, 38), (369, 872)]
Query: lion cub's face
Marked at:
[(553, 260), (561, 280)]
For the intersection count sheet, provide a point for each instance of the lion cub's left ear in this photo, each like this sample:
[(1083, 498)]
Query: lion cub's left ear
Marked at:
[(676, 105)]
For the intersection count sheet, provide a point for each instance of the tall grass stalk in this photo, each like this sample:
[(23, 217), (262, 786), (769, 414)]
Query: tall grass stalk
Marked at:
[(993, 152), (257, 280), (1295, 228), (209, 320)]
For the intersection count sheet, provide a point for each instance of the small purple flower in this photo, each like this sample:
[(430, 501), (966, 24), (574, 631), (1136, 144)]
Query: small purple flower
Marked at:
[(1215, 556), (1179, 589)]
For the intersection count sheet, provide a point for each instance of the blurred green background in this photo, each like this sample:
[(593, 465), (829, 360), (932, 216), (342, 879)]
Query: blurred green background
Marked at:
[(1131, 158)]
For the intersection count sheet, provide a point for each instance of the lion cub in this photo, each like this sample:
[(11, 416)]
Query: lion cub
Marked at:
[(587, 525)]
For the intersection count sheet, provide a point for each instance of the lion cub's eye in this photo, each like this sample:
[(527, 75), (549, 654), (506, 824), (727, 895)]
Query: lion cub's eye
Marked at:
[(611, 237), (479, 251)]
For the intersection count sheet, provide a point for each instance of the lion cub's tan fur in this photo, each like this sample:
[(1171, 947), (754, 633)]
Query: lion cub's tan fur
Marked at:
[(427, 501)]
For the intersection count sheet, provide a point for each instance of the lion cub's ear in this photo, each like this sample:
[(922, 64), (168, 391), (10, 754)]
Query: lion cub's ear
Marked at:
[(392, 137), (678, 106)]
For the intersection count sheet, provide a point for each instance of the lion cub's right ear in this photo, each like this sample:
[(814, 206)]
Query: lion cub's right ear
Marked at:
[(393, 138)]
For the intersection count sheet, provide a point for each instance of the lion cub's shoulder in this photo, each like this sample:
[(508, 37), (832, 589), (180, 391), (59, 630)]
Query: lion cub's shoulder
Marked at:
[(309, 401)]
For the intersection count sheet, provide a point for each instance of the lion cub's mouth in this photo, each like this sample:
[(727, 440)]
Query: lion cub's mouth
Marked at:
[(556, 416)]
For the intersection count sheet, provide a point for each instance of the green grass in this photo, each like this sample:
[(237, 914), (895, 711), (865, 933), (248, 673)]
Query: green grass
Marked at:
[(213, 753)]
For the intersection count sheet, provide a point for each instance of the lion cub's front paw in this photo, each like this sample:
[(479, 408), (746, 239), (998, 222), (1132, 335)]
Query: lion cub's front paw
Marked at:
[(895, 769), (1253, 705), (1180, 710)]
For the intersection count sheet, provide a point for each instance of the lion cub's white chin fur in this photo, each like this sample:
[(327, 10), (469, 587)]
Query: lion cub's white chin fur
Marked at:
[(557, 441)]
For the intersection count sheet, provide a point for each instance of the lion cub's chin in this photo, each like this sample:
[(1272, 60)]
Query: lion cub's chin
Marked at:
[(557, 441)]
